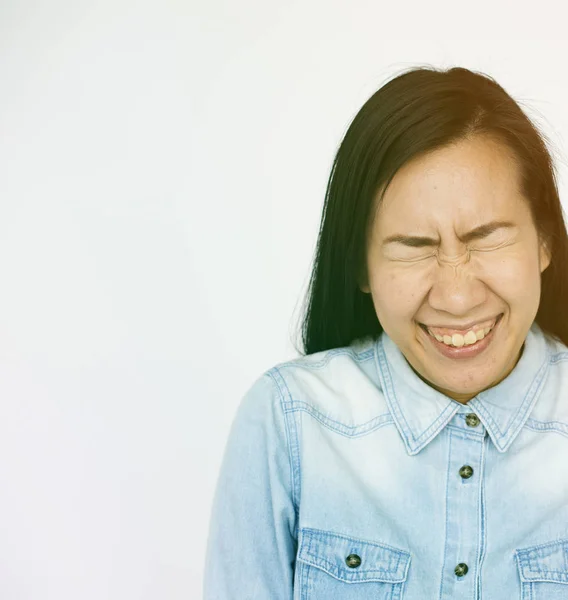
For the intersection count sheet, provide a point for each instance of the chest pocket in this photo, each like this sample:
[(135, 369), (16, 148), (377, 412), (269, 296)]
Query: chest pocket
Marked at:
[(543, 570), (332, 565)]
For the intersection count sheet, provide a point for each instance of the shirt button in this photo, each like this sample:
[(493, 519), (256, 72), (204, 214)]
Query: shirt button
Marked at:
[(353, 560), (461, 570), (472, 420), (466, 472)]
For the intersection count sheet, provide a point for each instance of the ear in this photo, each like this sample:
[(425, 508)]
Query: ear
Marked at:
[(362, 281), (545, 255)]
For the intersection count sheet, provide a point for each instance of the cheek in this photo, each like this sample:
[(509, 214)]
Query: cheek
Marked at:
[(516, 279), (397, 296)]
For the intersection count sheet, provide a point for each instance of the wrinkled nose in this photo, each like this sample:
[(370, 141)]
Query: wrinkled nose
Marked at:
[(454, 260)]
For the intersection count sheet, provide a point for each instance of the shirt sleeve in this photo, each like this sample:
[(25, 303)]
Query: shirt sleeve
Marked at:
[(251, 546)]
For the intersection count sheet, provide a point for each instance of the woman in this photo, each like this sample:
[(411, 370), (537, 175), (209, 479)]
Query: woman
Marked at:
[(419, 448)]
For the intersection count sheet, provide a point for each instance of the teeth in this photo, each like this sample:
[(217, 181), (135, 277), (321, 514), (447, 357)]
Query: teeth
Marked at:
[(459, 340)]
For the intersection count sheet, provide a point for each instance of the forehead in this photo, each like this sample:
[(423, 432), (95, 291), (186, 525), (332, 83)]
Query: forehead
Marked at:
[(459, 184)]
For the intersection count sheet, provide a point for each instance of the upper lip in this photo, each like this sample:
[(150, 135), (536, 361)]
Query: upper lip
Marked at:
[(465, 327)]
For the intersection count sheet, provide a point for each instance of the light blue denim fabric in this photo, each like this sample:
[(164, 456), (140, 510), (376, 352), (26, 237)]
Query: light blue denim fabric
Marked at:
[(345, 476)]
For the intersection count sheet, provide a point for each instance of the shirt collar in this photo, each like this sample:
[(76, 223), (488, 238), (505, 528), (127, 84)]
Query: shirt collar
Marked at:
[(420, 412)]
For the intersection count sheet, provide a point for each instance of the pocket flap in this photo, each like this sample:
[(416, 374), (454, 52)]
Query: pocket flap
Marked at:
[(545, 562), (328, 551)]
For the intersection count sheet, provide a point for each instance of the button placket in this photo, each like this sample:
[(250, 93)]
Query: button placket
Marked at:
[(463, 498), (472, 420)]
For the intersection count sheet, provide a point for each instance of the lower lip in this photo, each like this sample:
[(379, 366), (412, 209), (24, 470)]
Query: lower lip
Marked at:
[(464, 351)]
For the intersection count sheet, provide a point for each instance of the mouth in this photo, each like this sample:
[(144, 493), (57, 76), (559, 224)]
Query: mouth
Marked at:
[(465, 351)]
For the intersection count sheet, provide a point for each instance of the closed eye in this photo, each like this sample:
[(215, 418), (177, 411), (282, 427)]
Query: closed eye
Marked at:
[(481, 232)]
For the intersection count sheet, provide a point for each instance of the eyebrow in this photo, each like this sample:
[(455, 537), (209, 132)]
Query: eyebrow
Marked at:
[(475, 234)]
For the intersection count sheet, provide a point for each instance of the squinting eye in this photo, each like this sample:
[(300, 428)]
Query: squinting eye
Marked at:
[(416, 255)]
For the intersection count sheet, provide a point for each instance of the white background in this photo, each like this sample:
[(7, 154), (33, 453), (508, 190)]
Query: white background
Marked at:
[(162, 173)]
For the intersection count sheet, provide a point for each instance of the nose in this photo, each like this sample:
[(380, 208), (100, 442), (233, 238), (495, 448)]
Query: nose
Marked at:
[(455, 285)]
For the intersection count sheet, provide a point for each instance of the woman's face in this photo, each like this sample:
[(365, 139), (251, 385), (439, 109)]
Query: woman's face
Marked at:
[(451, 283)]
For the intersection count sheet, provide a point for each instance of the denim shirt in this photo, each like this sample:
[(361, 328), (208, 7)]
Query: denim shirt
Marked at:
[(345, 476)]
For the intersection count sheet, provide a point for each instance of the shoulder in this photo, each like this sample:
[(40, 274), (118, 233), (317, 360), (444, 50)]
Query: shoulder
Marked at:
[(553, 409), (339, 383)]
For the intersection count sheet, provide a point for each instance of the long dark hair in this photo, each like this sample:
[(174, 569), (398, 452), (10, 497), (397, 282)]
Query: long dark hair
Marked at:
[(416, 112)]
